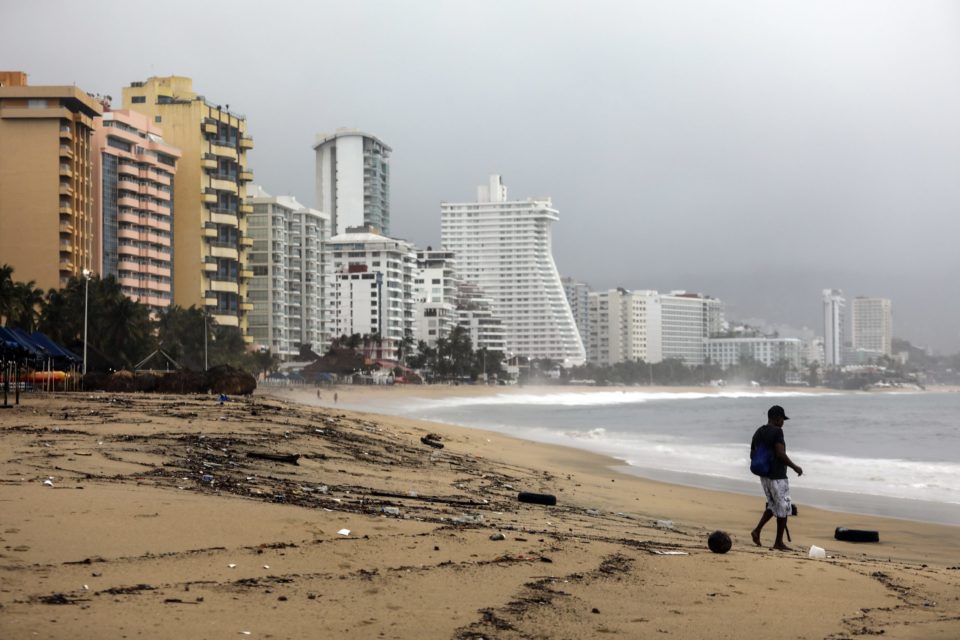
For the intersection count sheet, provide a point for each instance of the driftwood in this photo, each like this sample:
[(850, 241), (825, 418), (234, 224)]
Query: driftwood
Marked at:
[(431, 442), (286, 458)]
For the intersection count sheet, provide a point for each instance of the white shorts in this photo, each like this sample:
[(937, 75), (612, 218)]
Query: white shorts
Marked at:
[(778, 496)]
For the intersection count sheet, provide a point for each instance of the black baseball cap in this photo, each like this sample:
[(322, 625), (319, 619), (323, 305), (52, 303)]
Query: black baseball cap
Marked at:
[(776, 411)]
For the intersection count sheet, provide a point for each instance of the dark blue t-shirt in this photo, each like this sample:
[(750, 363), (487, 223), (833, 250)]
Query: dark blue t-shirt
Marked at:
[(770, 436)]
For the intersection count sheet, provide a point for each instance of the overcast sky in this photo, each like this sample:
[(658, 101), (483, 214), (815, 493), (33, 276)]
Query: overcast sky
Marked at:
[(756, 151)]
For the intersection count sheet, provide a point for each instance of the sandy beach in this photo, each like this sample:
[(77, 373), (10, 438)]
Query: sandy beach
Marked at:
[(146, 516)]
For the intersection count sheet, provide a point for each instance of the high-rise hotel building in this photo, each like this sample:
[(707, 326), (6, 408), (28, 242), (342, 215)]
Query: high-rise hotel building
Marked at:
[(353, 180), (290, 279), (210, 208), (624, 326), (504, 247), (46, 180), (133, 206), (833, 321), (872, 325)]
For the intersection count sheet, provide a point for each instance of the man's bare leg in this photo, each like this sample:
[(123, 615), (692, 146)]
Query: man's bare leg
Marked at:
[(781, 527), (764, 519)]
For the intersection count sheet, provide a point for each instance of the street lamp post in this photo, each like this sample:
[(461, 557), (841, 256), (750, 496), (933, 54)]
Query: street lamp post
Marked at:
[(86, 299)]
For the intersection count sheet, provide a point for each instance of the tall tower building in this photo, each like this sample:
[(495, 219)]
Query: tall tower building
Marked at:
[(833, 303), (503, 246), (872, 325), (625, 326), (46, 180), (289, 289), (134, 176), (209, 196), (353, 180), (688, 319)]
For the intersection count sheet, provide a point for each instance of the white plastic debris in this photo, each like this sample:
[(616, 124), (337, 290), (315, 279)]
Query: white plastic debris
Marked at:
[(266, 566), (660, 552), (817, 553), (231, 565), (48, 483), (664, 524), (344, 532)]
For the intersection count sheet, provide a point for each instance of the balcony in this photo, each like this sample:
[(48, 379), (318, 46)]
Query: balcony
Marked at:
[(210, 128), (246, 143), (210, 300), (210, 266), (210, 230), (246, 208), (246, 274), (246, 176), (209, 162), (224, 152), (66, 265), (66, 133), (66, 190), (225, 218), (224, 185), (66, 227), (210, 196), (246, 241), (66, 209), (246, 306), (66, 151)]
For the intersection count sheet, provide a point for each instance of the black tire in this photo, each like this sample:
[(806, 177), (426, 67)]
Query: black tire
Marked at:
[(432, 443), (856, 535), (537, 498)]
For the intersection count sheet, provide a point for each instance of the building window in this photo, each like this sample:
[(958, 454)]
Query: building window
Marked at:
[(157, 119), (138, 99)]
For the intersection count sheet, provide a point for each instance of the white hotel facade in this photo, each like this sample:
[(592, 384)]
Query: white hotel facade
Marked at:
[(372, 285), (353, 180), (504, 247)]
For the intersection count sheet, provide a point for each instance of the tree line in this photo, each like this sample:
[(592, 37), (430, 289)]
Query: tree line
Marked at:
[(122, 332)]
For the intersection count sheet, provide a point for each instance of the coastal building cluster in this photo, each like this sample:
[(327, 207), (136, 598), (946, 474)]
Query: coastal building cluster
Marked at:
[(159, 194)]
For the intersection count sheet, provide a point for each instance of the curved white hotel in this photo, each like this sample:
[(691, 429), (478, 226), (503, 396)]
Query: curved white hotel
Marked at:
[(504, 247)]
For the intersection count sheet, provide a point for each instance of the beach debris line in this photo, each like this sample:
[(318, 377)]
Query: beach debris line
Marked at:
[(856, 535), (719, 542), (537, 498)]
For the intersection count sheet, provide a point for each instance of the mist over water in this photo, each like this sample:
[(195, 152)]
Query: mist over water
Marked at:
[(885, 454)]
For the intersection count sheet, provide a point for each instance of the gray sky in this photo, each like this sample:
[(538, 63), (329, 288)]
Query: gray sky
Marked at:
[(757, 151)]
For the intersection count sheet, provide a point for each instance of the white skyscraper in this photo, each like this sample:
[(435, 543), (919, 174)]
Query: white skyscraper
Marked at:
[(872, 326), (353, 180), (624, 326), (833, 303), (289, 284), (504, 247), (688, 319), (372, 285)]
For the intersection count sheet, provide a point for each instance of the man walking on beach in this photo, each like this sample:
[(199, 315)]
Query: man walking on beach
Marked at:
[(776, 487)]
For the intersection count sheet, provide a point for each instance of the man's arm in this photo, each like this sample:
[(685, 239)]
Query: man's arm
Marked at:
[(781, 450)]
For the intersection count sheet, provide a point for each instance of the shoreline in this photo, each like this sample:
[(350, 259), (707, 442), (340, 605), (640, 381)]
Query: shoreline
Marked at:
[(146, 514), (392, 402)]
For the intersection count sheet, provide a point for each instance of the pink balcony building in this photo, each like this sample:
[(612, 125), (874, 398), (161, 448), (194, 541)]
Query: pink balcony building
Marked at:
[(134, 171)]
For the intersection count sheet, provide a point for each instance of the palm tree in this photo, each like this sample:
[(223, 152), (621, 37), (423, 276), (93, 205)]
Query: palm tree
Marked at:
[(6, 292)]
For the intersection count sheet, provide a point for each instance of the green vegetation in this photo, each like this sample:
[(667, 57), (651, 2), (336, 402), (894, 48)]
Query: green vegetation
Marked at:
[(122, 332)]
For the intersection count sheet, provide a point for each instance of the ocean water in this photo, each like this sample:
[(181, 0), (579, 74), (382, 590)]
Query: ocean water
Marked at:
[(890, 454)]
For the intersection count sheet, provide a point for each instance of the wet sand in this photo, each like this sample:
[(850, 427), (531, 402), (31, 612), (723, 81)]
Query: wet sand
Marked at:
[(144, 516)]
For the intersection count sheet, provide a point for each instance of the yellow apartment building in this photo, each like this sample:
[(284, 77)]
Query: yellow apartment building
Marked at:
[(210, 240), (46, 180)]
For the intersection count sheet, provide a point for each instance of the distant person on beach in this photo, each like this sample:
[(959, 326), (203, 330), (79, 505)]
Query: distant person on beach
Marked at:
[(776, 487), (334, 398)]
